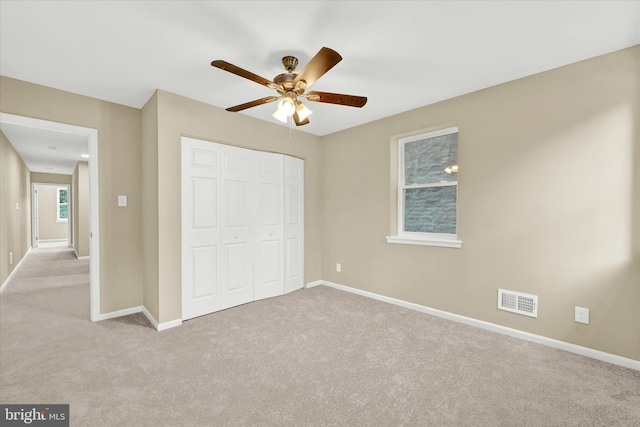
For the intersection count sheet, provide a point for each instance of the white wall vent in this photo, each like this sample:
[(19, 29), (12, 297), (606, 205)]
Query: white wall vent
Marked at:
[(517, 302)]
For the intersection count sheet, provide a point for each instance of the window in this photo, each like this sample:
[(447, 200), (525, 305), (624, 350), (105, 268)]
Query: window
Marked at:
[(428, 189), (62, 204)]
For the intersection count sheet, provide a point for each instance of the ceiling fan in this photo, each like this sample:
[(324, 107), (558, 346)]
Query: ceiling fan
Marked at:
[(291, 86)]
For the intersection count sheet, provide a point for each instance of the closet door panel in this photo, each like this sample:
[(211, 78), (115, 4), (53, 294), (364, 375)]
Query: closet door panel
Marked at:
[(200, 227), (269, 260), (294, 223), (242, 226), (237, 227), (205, 260)]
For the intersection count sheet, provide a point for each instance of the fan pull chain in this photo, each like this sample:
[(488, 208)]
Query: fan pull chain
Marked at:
[(290, 127)]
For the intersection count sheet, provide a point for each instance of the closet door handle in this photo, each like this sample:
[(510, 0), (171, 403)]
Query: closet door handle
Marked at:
[(235, 237), (270, 234)]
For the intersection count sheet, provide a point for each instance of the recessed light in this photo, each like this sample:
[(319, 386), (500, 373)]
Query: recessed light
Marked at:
[(84, 156)]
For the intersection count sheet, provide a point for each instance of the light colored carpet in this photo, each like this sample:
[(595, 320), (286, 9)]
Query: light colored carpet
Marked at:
[(314, 357)]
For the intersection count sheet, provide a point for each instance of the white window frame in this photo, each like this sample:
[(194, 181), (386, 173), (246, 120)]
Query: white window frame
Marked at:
[(58, 219), (417, 238)]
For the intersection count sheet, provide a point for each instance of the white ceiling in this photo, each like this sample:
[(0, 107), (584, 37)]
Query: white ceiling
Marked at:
[(47, 151), (400, 54)]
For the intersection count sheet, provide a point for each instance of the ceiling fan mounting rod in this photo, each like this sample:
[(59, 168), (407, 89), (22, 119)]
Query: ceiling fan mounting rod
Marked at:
[(290, 63)]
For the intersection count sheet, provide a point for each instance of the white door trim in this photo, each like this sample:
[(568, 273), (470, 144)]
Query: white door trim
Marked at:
[(35, 202), (35, 227), (94, 221)]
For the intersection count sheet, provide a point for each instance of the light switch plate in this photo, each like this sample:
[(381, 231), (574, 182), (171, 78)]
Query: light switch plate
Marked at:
[(122, 201)]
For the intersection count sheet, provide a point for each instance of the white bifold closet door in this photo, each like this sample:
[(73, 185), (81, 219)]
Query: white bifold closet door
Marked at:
[(242, 226)]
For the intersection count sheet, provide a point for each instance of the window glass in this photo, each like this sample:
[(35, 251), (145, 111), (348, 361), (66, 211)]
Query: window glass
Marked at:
[(64, 211), (426, 160), (430, 210), (63, 204)]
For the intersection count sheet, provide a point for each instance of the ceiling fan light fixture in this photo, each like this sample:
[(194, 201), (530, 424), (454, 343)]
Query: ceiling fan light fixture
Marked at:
[(286, 109), (303, 111), (280, 116), (287, 106)]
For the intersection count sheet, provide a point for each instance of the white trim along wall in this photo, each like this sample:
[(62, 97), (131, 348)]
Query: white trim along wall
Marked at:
[(550, 342), (140, 309), (16, 268)]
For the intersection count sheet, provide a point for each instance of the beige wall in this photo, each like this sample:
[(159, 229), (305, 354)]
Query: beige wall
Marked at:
[(118, 173), (548, 205), (150, 242), (15, 224), (50, 178), (49, 228), (80, 223), (182, 116)]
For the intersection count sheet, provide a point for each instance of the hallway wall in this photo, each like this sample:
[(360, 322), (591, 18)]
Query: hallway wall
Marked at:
[(15, 208), (119, 161), (80, 201)]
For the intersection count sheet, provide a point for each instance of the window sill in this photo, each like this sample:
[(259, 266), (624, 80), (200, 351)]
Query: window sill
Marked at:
[(62, 220), (425, 241)]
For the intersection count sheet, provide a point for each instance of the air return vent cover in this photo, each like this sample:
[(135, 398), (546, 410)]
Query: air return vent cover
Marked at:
[(517, 302)]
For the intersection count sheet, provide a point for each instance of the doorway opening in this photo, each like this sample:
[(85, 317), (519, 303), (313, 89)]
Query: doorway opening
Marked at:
[(91, 136), (51, 215)]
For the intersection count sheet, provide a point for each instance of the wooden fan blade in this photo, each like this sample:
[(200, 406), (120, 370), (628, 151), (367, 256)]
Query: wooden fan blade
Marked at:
[(299, 122), (253, 103), (223, 65), (324, 60), (337, 98)]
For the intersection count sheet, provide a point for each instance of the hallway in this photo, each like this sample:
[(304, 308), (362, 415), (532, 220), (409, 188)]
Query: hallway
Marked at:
[(54, 244), (55, 274)]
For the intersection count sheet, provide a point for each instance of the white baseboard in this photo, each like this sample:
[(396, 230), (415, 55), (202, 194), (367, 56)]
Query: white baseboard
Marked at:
[(168, 325), (317, 283), (140, 309), (6, 282), (148, 315), (539, 339), (119, 313), (160, 326), (80, 257)]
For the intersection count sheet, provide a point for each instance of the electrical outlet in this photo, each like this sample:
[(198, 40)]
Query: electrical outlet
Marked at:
[(339, 267), (582, 315)]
